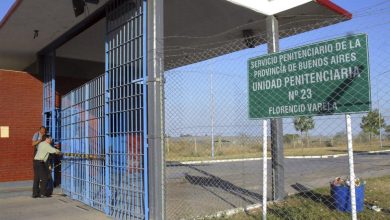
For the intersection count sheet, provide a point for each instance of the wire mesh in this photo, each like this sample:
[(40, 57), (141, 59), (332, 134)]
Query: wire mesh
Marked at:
[(213, 150)]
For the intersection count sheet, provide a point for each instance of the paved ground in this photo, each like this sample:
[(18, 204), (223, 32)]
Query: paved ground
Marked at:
[(198, 190), (16, 203)]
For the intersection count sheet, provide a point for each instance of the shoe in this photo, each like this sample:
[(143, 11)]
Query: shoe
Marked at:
[(36, 196), (43, 196)]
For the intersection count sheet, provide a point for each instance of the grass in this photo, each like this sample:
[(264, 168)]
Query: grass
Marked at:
[(199, 148), (317, 205), (310, 151)]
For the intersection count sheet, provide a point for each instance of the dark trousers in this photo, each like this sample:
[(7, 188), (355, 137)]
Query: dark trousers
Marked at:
[(41, 176)]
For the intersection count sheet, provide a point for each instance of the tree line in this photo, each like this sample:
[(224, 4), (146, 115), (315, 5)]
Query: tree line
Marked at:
[(370, 124)]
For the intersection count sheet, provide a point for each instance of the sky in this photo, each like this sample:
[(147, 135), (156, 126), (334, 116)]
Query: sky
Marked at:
[(5, 5)]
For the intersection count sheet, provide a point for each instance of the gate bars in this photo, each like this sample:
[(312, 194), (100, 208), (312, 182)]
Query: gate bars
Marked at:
[(50, 114), (82, 132), (125, 103), (49, 119)]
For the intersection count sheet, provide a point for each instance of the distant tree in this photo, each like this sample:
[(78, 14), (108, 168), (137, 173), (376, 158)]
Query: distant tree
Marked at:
[(185, 135), (372, 123), (362, 137), (387, 130), (304, 124), (242, 139), (290, 138), (340, 137)]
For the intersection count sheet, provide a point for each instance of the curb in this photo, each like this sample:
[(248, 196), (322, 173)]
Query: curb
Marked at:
[(216, 161), (378, 151), (336, 155), (316, 157), (268, 158), (231, 212)]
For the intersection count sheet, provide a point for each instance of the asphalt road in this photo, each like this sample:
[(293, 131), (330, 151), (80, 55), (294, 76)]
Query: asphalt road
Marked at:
[(204, 189)]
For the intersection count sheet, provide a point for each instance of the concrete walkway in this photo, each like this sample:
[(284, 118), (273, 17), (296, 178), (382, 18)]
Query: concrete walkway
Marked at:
[(16, 203)]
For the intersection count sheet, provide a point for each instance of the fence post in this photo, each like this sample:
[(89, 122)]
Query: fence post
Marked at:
[(72, 144), (276, 124), (53, 99), (212, 116), (86, 145), (107, 140), (155, 34), (351, 166), (145, 110), (265, 136)]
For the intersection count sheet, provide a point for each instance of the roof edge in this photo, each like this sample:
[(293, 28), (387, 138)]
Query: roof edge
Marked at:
[(84, 24), (332, 6), (10, 12)]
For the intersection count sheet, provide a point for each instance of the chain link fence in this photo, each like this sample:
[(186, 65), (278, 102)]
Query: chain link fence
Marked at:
[(213, 150)]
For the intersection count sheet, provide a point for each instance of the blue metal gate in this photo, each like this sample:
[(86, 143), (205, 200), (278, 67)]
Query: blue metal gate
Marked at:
[(103, 123), (49, 95), (126, 173), (50, 115), (82, 129)]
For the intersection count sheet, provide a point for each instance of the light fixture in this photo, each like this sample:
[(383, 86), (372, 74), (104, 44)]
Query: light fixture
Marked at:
[(79, 5), (36, 33)]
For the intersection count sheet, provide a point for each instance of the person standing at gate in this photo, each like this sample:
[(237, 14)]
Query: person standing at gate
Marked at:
[(37, 138), (42, 170)]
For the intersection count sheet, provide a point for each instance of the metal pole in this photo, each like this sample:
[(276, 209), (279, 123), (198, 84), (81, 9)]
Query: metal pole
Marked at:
[(380, 128), (52, 109), (351, 166), (107, 140), (276, 124), (212, 115), (72, 145), (155, 34), (379, 112), (40, 70), (87, 198), (265, 133), (145, 113), (53, 98)]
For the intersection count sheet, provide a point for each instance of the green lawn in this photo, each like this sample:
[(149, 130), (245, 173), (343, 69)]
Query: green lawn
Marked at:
[(317, 205), (331, 150), (185, 149)]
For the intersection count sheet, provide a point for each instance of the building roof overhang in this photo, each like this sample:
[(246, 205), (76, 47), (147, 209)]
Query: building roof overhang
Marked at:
[(189, 26)]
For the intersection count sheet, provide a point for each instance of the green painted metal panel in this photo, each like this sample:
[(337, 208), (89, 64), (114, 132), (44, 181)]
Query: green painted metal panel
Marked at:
[(328, 77)]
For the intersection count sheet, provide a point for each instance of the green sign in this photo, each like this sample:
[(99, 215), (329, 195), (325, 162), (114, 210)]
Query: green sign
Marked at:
[(329, 77)]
